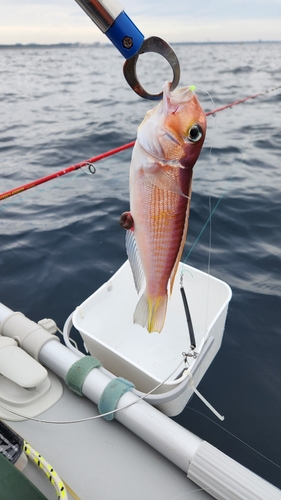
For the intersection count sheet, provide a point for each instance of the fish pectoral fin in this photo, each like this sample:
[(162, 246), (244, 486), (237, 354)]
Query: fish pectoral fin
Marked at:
[(126, 220), (161, 176), (134, 259), (150, 312)]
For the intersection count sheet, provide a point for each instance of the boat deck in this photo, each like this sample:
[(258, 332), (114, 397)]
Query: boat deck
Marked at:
[(100, 459)]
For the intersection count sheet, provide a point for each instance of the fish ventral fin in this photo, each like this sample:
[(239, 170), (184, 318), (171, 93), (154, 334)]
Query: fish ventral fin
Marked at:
[(134, 259), (150, 312)]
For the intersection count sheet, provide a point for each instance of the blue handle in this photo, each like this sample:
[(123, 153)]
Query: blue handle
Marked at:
[(124, 34)]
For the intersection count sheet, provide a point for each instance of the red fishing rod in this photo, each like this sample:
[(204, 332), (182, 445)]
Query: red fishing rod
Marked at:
[(77, 166)]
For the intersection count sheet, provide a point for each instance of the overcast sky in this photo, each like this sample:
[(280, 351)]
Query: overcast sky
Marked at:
[(55, 21)]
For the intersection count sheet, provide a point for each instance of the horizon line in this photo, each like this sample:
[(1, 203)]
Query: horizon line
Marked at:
[(100, 44)]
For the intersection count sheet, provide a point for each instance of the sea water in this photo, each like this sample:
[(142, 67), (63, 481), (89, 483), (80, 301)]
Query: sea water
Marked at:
[(60, 241)]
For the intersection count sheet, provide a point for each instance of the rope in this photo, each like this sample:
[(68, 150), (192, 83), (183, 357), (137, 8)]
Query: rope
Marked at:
[(77, 166), (48, 470)]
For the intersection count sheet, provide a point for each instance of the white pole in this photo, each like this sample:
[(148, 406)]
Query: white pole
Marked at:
[(163, 434)]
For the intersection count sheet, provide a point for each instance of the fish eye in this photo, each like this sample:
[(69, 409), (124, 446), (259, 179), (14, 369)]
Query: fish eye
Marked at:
[(195, 133)]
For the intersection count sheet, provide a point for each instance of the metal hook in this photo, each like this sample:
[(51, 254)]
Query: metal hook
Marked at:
[(152, 44)]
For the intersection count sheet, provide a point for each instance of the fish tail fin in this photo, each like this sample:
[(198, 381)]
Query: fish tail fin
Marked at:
[(150, 312)]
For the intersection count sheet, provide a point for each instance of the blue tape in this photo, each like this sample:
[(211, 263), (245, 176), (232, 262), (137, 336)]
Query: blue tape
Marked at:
[(78, 372), (124, 28), (111, 395)]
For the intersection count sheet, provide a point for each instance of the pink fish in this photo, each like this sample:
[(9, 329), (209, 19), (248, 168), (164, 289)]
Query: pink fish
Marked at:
[(168, 144)]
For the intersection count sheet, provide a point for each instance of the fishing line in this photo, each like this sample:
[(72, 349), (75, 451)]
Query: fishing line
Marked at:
[(189, 492), (236, 437), (211, 213), (209, 221), (184, 299), (209, 266), (226, 191), (186, 371), (94, 417), (212, 113)]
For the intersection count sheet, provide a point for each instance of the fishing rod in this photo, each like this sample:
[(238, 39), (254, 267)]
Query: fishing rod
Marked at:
[(60, 173), (91, 161)]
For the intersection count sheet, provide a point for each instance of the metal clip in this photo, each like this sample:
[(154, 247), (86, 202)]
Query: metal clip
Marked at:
[(190, 354), (181, 279), (152, 44)]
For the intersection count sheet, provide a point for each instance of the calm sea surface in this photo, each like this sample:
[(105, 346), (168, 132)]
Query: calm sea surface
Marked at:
[(61, 241)]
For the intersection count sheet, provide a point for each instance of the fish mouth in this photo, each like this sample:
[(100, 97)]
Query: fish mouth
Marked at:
[(177, 96)]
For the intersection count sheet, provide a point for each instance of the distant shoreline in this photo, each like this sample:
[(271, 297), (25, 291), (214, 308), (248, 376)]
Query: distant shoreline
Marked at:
[(98, 44)]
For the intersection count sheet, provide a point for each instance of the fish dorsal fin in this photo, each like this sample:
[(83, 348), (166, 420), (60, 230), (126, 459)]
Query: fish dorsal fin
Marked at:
[(134, 259)]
